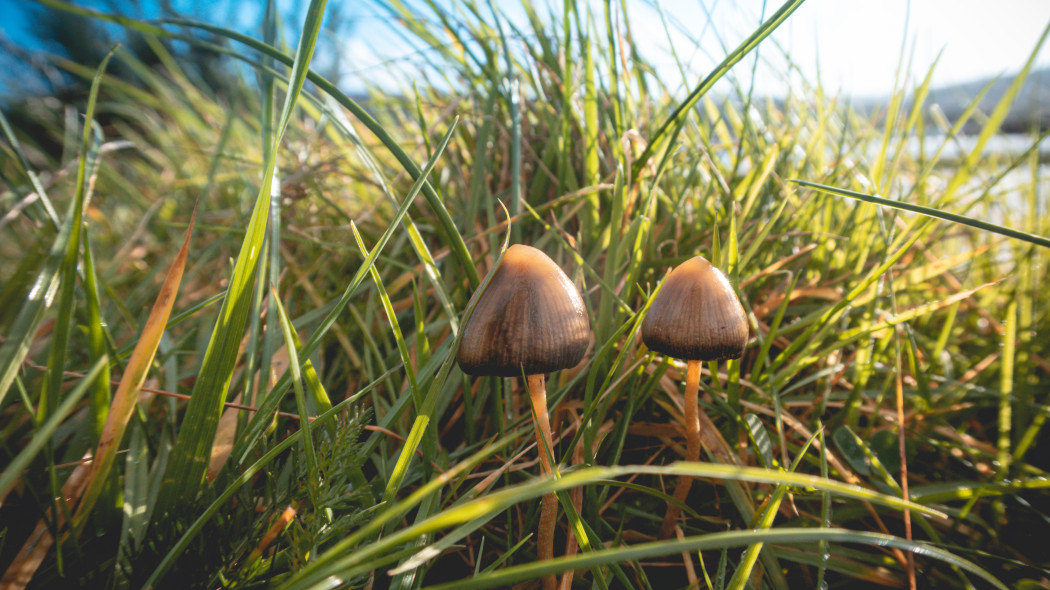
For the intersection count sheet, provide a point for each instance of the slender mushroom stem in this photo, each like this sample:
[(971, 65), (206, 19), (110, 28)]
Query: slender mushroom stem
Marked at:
[(692, 446), (549, 506)]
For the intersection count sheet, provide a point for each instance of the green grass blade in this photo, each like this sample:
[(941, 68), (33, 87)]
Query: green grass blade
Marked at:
[(189, 460), (1004, 445), (99, 399), (420, 246), (715, 541), (426, 412), (257, 424), (135, 501), (391, 317), (314, 387), (13, 471), (42, 293), (674, 123), (493, 503), (300, 400), (262, 327), (931, 212), (87, 168)]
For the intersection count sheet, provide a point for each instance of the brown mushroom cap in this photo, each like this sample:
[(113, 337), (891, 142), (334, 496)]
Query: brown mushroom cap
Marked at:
[(530, 320), (696, 315)]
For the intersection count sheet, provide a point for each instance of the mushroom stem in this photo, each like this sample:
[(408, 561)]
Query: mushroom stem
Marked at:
[(549, 506), (692, 445), (538, 393)]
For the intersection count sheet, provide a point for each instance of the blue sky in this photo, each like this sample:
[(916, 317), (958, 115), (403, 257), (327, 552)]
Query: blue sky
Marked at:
[(856, 44)]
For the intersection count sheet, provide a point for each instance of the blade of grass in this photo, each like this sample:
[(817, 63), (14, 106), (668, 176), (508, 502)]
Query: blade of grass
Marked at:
[(59, 344), (135, 502), (426, 412), (63, 255), (99, 399), (399, 338), (714, 541), (189, 460), (1004, 444), (314, 387), (415, 237), (931, 212), (676, 121), (339, 562), (127, 393), (13, 471), (87, 167), (300, 400), (258, 423), (825, 510), (764, 521), (270, 266)]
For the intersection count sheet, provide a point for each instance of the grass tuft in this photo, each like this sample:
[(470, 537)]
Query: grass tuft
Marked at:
[(288, 412)]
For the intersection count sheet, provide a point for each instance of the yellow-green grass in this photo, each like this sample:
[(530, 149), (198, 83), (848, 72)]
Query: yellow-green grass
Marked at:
[(359, 270)]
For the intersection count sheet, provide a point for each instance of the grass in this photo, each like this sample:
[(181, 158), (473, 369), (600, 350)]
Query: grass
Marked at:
[(886, 420)]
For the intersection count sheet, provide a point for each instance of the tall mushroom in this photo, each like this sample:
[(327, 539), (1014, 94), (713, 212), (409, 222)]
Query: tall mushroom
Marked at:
[(696, 316), (529, 321)]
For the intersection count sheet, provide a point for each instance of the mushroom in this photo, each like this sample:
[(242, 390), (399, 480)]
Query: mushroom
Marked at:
[(529, 321), (696, 316)]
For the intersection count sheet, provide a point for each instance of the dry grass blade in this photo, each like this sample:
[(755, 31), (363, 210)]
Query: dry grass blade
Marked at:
[(127, 394), (227, 430)]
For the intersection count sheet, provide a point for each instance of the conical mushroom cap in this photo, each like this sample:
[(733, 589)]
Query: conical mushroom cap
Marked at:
[(696, 315), (529, 320)]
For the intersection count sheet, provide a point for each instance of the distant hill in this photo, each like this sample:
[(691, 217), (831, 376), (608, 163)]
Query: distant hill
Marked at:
[(1031, 107)]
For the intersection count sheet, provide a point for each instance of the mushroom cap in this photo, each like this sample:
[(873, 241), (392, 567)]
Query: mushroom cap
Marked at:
[(530, 320), (696, 315)]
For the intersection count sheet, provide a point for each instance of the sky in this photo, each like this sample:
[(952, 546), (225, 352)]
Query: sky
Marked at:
[(856, 45)]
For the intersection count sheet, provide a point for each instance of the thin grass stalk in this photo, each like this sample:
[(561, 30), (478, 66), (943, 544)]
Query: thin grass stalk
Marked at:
[(185, 472), (100, 393), (669, 130), (931, 212)]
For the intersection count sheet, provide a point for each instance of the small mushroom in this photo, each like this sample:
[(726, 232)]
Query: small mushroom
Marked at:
[(529, 321), (696, 316)]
